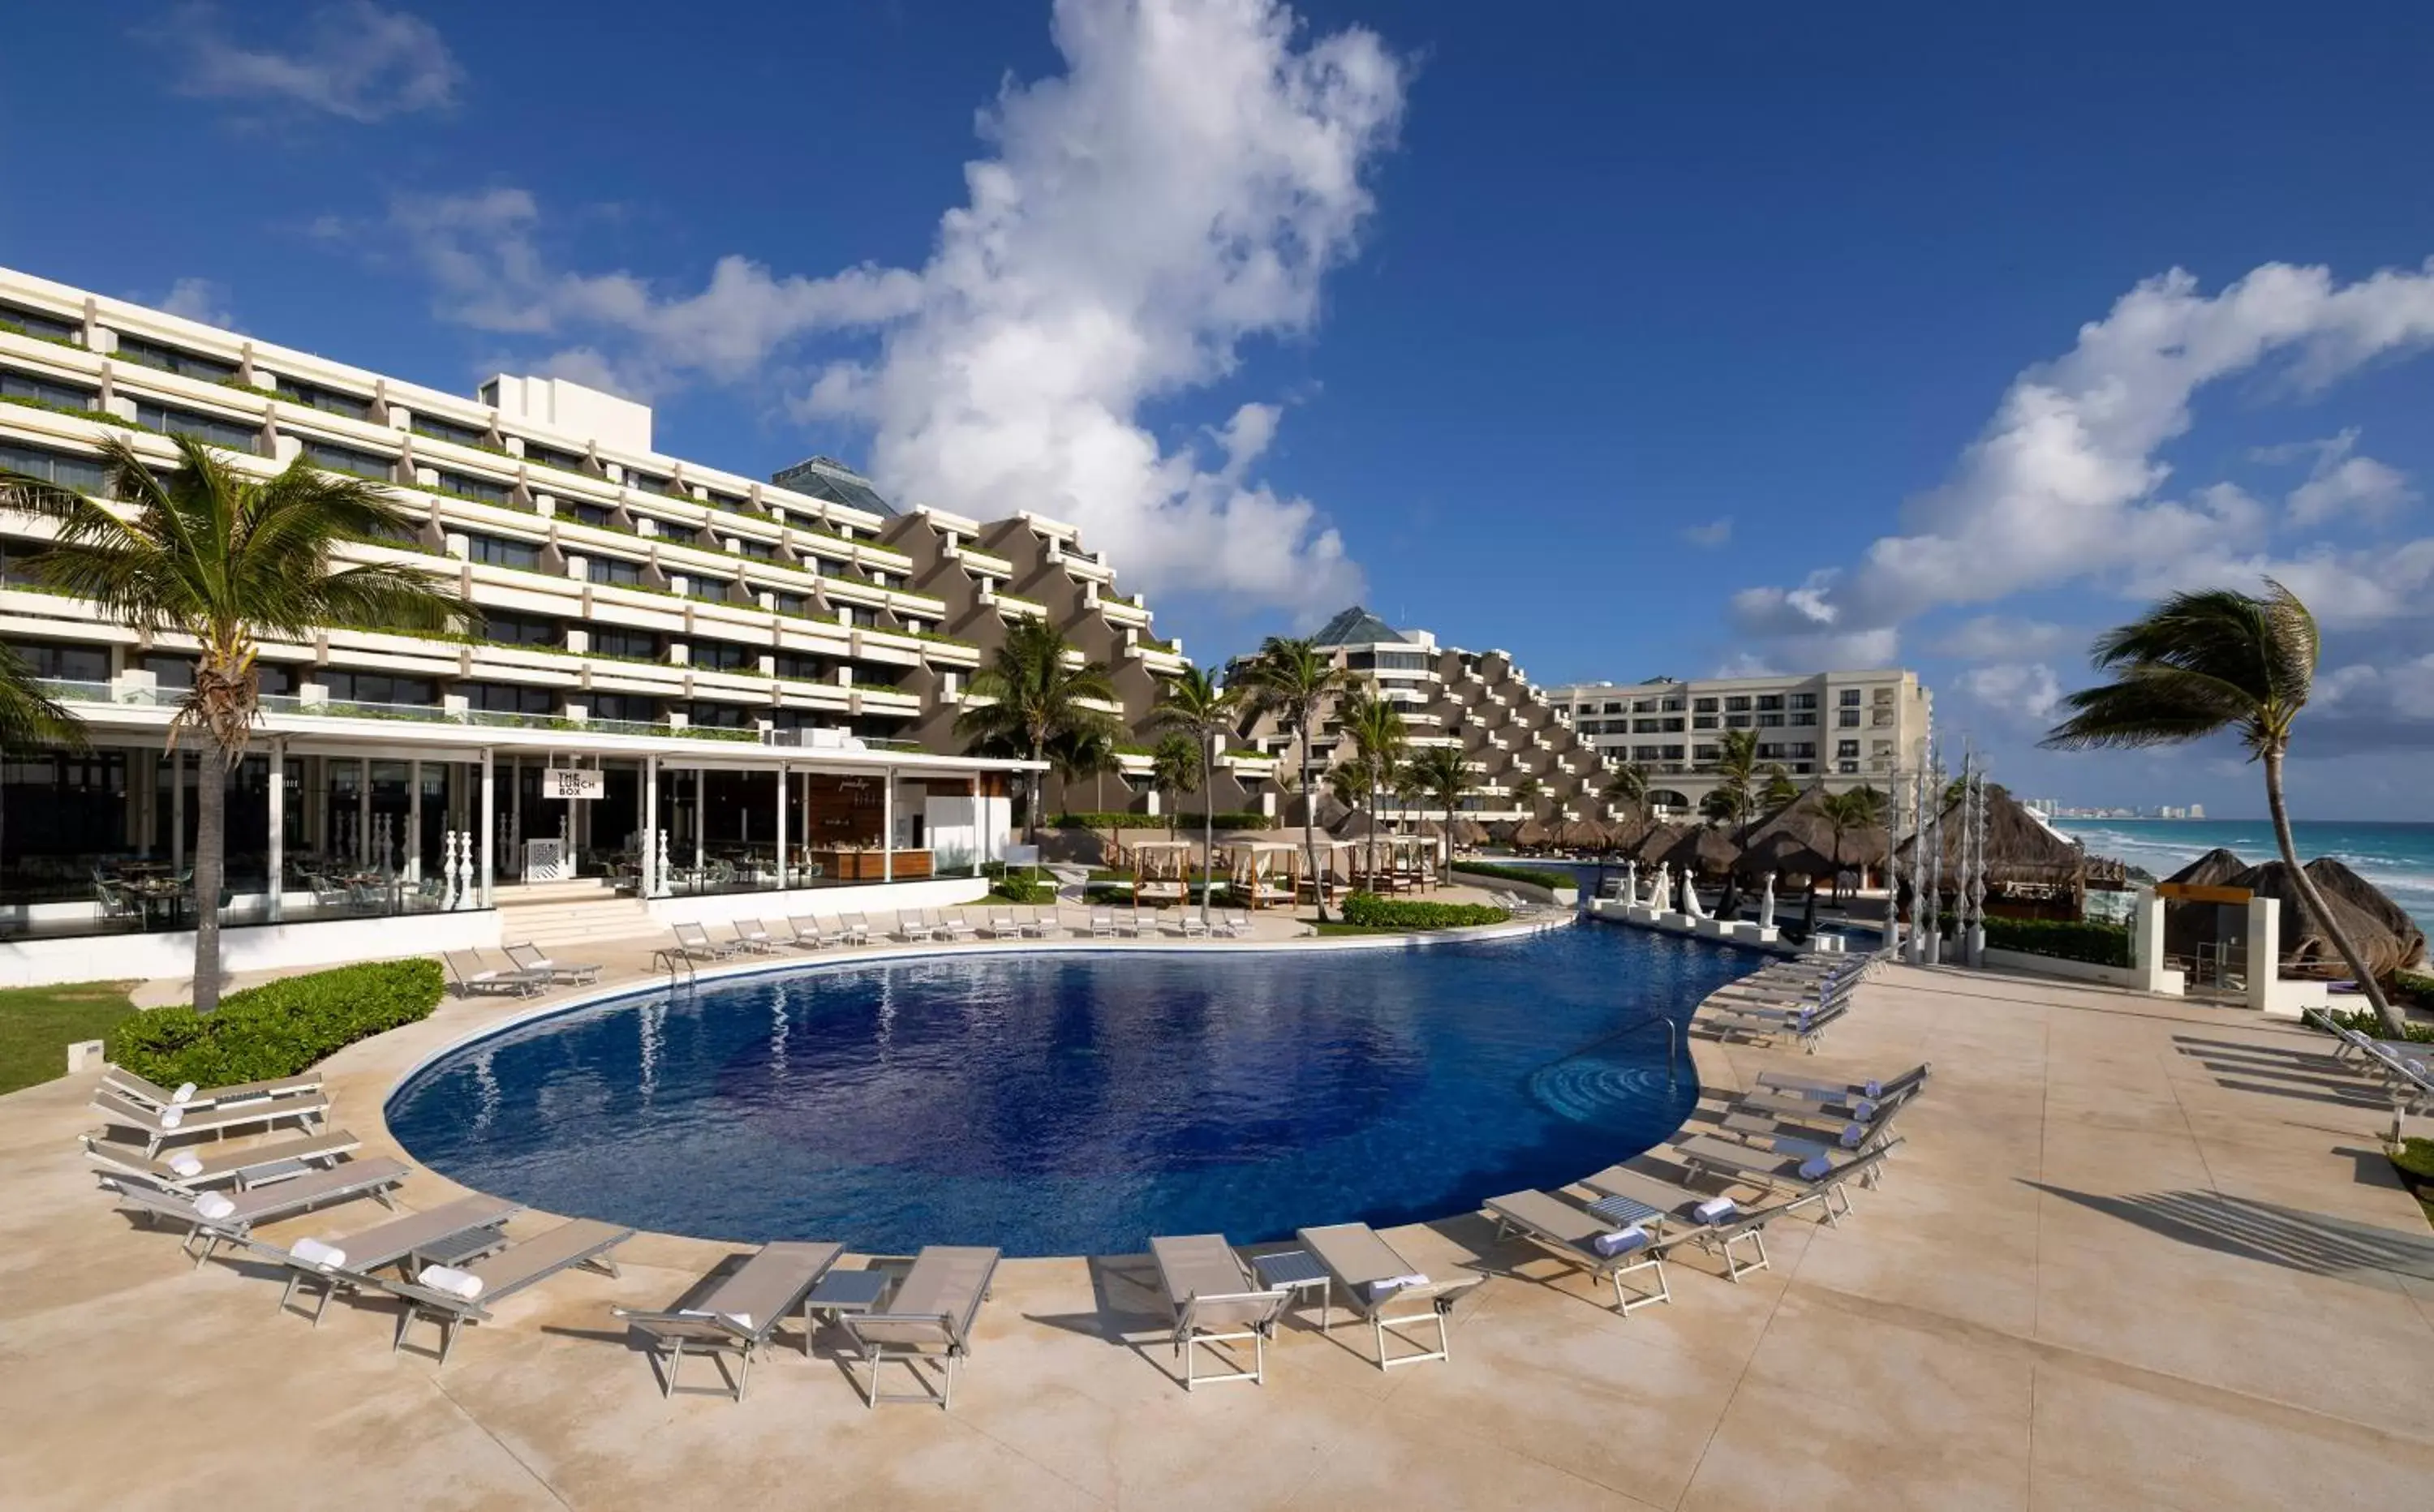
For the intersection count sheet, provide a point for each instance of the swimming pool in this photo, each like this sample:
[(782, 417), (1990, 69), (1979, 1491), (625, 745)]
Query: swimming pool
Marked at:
[(1077, 1102)]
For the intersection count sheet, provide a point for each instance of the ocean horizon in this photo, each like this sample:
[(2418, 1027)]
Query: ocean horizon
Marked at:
[(2397, 858)]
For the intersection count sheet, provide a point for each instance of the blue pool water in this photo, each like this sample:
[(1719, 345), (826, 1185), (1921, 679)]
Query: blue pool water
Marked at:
[(1078, 1103)]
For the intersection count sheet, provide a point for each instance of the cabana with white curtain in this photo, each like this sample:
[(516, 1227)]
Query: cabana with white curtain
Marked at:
[(1163, 870)]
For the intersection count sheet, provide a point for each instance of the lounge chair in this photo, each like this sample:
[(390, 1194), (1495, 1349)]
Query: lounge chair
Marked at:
[(190, 1170), (753, 936), (741, 1313), (929, 1314), (1806, 1025), (1136, 924), (148, 1094), (1103, 924), (1192, 925), (447, 1235), (1846, 1092), (1608, 1250), (1235, 924), (217, 1217), (451, 1297), (1034, 928), (1718, 1222), (1814, 1175), (911, 928), (954, 928), (1216, 1300), (695, 943), (561, 974), (160, 1124), (854, 929), (803, 932), (1000, 924), (1375, 1279), (473, 975)]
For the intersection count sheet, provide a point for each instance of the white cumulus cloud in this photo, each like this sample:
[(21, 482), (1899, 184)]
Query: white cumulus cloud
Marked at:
[(354, 61), (2342, 481), (2025, 692), (200, 300), (1714, 533)]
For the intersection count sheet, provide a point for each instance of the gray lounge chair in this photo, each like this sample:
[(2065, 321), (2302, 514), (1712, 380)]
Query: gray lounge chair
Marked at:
[(695, 943), (1034, 928), (1572, 1235), (146, 1094), (449, 1234), (953, 929), (499, 1275), (741, 1313), (532, 957), (192, 1170), (854, 929), (216, 1218), (1719, 1222), (1828, 1090), (804, 932), (1374, 1280), (158, 1126), (474, 975), (1814, 1175), (1216, 1300), (752, 936), (929, 1314)]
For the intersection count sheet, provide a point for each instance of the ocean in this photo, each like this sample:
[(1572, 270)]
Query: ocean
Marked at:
[(2398, 859)]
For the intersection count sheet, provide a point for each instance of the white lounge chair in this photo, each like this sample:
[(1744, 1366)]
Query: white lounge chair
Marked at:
[(530, 958), (158, 1126), (806, 933), (951, 927), (753, 936), (1374, 1280), (695, 943), (451, 1297), (474, 975), (1216, 1300), (191, 1170), (930, 1316), (151, 1095), (215, 1217), (1103, 924), (1608, 1250), (854, 929), (451, 1233)]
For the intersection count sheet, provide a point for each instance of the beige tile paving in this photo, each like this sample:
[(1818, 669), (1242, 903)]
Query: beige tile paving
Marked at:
[(2133, 1253)]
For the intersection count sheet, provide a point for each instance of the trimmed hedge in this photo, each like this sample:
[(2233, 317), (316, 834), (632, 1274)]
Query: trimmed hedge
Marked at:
[(2367, 1022), (278, 1029), (1370, 911), (1546, 876), (1184, 823), (2101, 944)]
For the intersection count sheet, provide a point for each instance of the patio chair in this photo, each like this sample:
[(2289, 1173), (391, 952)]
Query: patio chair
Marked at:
[(752, 937), (450, 1233), (158, 1126), (1192, 925), (215, 1217), (112, 905), (1374, 1280), (695, 943), (1033, 926), (149, 1094), (1719, 1222), (1583, 1240), (1103, 924), (1847, 1092), (530, 958), (1234, 924), (739, 1314), (931, 1314), (1805, 1025), (189, 1170), (450, 1297), (473, 975), (1216, 1300), (953, 929), (853, 928), (806, 933), (1138, 923), (911, 928), (1812, 1175)]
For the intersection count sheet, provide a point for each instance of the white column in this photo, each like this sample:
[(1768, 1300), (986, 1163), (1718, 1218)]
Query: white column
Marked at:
[(278, 824), (781, 826), (887, 828), (650, 826), (177, 809), (363, 810), (414, 821), (700, 817), (490, 828)]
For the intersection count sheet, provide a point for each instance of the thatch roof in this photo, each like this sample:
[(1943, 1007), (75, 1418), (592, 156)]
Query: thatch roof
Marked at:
[(2216, 868), (1784, 852), (1533, 831), (2306, 944), (2019, 848), (1580, 834), (1652, 845), (1708, 852), (1796, 838), (2335, 879), (1501, 831)]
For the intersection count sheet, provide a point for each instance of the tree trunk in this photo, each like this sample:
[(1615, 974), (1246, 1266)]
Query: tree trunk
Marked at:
[(1208, 824), (2314, 902), (1310, 831), (211, 865), (1039, 793)]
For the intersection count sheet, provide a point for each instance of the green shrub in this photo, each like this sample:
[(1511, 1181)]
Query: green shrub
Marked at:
[(1113, 819), (278, 1029), (1023, 890), (1535, 876), (2102, 945), (2415, 986), (2366, 1022), (1370, 911)]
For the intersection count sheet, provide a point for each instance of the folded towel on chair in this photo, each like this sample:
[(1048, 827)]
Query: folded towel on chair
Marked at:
[(1853, 1134), (1874, 1088), (1815, 1168), (213, 1206), (185, 1092), (1621, 1241), (186, 1163), (172, 1117), (449, 1279), (1715, 1209), (1864, 1110), (317, 1255), (1387, 1285)]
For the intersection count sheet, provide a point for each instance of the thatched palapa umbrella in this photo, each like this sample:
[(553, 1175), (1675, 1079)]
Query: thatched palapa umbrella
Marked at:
[(1651, 848), (1534, 832), (1798, 836), (1579, 835), (2021, 853), (2333, 877), (2304, 943), (2189, 927), (1703, 851)]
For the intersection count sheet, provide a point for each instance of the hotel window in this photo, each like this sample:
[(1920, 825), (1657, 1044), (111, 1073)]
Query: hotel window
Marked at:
[(1702, 705), (521, 629), (631, 707), (84, 474), (469, 486), (1770, 700), (347, 459), (276, 680), (1673, 752), (169, 672), (614, 571), (729, 501), (1704, 753), (1769, 721), (1884, 695), (794, 604), (1846, 749), (1808, 717), (1803, 701), (41, 323), (377, 688), (508, 698), (595, 515), (330, 401), (1672, 705), (726, 656), (43, 391), (1849, 698), (1673, 725), (440, 429), (719, 716), (649, 484), (1737, 703), (854, 613), (171, 360), (1736, 722), (66, 663), (1802, 748), (1643, 705), (802, 667), (552, 457), (1648, 753), (757, 551), (1647, 726), (1704, 721), (1848, 719), (493, 550), (636, 645), (1846, 768), (237, 435), (1770, 752)]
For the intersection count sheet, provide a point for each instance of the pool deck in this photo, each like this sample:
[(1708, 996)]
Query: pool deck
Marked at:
[(2133, 1253)]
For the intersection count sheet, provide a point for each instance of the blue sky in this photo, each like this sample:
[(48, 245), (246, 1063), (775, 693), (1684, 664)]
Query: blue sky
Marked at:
[(1632, 339)]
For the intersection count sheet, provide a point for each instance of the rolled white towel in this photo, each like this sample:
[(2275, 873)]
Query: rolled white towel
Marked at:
[(1815, 1168), (1621, 1241), (1715, 1209), (186, 1163), (172, 1117), (213, 1206), (317, 1255), (449, 1279), (1864, 1110), (185, 1092), (1853, 1134), (1872, 1088)]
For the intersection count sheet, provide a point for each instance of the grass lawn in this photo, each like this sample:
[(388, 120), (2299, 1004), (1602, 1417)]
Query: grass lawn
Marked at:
[(37, 1025)]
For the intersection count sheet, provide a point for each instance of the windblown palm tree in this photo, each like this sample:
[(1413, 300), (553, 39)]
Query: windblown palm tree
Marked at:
[(28, 715), (1036, 697), (1627, 788), (1527, 791), (1175, 770), (1293, 680), (1441, 772), (2198, 664), (1193, 705), (1379, 738), (1084, 753), (1858, 808), (1779, 788), (212, 555)]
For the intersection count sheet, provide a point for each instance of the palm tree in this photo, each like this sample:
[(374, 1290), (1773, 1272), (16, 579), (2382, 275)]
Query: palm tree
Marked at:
[(1194, 706), (1627, 788), (1527, 791), (1084, 753), (28, 715), (1858, 808), (1293, 680), (1735, 769), (1036, 695), (1779, 788), (1379, 738), (1175, 770), (2198, 664), (212, 555), (1440, 771)]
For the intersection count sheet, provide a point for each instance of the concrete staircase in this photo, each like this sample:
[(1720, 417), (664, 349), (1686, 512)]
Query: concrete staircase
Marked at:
[(570, 914)]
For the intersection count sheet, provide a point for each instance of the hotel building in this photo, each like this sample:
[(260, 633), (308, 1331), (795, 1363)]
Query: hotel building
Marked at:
[(1846, 729)]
